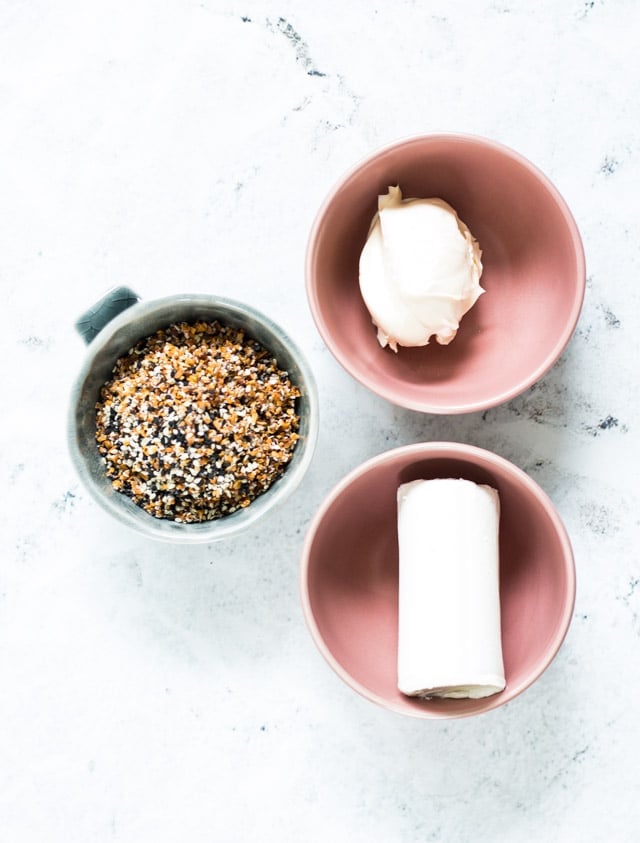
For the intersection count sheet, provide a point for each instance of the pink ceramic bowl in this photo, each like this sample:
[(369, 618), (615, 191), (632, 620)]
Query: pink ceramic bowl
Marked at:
[(349, 577), (534, 274)]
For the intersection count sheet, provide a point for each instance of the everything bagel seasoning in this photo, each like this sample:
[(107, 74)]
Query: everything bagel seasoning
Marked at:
[(196, 421)]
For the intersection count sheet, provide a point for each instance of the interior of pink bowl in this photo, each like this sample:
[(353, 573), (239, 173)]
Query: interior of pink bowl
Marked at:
[(350, 577), (533, 274)]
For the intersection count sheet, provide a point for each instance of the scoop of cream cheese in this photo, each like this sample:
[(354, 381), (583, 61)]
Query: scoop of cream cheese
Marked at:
[(419, 270)]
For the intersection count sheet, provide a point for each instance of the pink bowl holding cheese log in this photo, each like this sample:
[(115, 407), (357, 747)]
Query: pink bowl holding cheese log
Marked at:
[(533, 274), (349, 574)]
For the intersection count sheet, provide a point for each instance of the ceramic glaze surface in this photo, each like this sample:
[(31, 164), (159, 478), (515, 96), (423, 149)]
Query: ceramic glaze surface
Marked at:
[(155, 693)]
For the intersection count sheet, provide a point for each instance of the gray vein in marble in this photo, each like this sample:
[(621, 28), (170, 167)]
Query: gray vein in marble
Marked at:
[(587, 7), (598, 518), (630, 601), (299, 45), (609, 166), (36, 343), (66, 503), (611, 320), (605, 424)]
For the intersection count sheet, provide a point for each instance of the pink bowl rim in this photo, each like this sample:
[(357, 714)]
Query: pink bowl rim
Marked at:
[(472, 454), (554, 353)]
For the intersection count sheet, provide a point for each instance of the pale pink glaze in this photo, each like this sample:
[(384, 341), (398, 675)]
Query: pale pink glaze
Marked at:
[(534, 274), (349, 575)]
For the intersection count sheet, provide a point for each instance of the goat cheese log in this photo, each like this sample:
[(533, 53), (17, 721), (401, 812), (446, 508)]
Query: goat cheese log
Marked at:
[(449, 642)]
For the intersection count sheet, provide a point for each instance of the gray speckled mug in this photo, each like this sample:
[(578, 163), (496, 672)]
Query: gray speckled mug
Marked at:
[(112, 327)]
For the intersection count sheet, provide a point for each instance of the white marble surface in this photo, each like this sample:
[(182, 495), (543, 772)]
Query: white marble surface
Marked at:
[(149, 693)]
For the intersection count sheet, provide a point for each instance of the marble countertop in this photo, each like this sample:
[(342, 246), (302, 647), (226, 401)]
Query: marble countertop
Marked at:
[(155, 693)]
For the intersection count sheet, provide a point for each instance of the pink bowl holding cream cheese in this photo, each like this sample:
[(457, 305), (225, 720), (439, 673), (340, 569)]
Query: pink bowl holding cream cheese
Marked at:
[(349, 574), (534, 274)]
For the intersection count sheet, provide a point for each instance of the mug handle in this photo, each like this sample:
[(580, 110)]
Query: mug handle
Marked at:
[(115, 301)]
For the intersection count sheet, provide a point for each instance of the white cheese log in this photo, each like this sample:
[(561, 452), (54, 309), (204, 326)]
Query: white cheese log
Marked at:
[(449, 641)]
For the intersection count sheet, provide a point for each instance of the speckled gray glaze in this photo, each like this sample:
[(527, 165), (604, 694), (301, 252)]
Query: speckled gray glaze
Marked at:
[(121, 333)]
